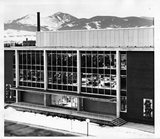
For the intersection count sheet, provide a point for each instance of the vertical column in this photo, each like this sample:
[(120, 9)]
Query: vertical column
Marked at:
[(118, 105), (45, 70), (17, 74), (45, 75), (78, 78), (78, 72)]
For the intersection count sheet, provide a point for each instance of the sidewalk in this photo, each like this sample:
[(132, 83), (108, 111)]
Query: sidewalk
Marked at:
[(22, 129), (80, 127), (142, 127)]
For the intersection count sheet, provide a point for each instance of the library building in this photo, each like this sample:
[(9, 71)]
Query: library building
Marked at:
[(104, 75)]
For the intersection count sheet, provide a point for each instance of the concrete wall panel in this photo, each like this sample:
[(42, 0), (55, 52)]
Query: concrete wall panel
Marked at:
[(116, 38), (99, 38), (103, 38), (112, 38), (139, 37), (140, 84), (130, 37), (95, 40), (135, 34), (99, 107), (32, 98), (151, 37), (121, 38)]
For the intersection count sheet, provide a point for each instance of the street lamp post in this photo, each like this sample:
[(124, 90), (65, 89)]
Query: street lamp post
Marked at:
[(71, 119), (87, 120)]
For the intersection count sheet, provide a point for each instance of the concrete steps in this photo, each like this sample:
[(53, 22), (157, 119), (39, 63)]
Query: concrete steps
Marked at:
[(118, 122)]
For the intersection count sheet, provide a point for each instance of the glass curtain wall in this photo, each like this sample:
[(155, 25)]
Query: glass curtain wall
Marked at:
[(123, 70), (62, 70), (14, 75), (14, 71), (31, 69), (98, 72)]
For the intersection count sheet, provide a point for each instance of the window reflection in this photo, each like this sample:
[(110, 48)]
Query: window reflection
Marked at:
[(64, 101), (106, 82), (84, 80), (20, 58), (58, 56), (83, 60), (101, 60), (124, 104), (64, 64), (98, 71), (113, 61), (21, 75), (107, 61), (30, 68), (123, 82), (113, 82), (99, 81), (74, 78), (14, 75), (88, 56), (94, 60), (123, 61), (64, 59), (14, 71)]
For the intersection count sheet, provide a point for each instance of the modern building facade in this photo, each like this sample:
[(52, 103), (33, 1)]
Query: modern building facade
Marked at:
[(96, 74)]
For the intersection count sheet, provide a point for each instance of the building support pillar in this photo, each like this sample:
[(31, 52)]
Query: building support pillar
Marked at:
[(78, 78), (17, 74), (118, 102), (45, 76)]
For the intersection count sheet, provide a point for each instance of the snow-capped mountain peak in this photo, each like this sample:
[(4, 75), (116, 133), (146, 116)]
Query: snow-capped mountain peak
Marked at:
[(8, 21), (63, 17), (29, 19), (64, 21)]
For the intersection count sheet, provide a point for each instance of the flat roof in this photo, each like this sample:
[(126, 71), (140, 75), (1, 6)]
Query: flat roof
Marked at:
[(99, 29), (56, 48)]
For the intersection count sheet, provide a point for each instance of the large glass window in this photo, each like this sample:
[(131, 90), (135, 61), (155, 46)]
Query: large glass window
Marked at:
[(123, 68), (148, 108), (14, 76), (64, 101), (14, 71), (31, 70), (123, 82), (98, 72), (123, 103), (62, 70), (123, 58)]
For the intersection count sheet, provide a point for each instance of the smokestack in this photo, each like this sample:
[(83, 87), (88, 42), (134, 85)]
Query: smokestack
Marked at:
[(38, 22)]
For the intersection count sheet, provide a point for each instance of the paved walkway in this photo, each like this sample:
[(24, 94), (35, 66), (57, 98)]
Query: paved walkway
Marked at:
[(75, 126), (22, 129), (142, 127)]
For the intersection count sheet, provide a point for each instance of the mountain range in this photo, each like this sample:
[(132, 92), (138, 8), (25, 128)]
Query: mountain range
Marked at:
[(63, 21)]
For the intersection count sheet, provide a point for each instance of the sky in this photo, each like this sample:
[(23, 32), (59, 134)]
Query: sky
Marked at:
[(14, 9)]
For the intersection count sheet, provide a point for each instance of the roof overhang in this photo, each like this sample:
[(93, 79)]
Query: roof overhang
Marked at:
[(111, 99), (107, 48)]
